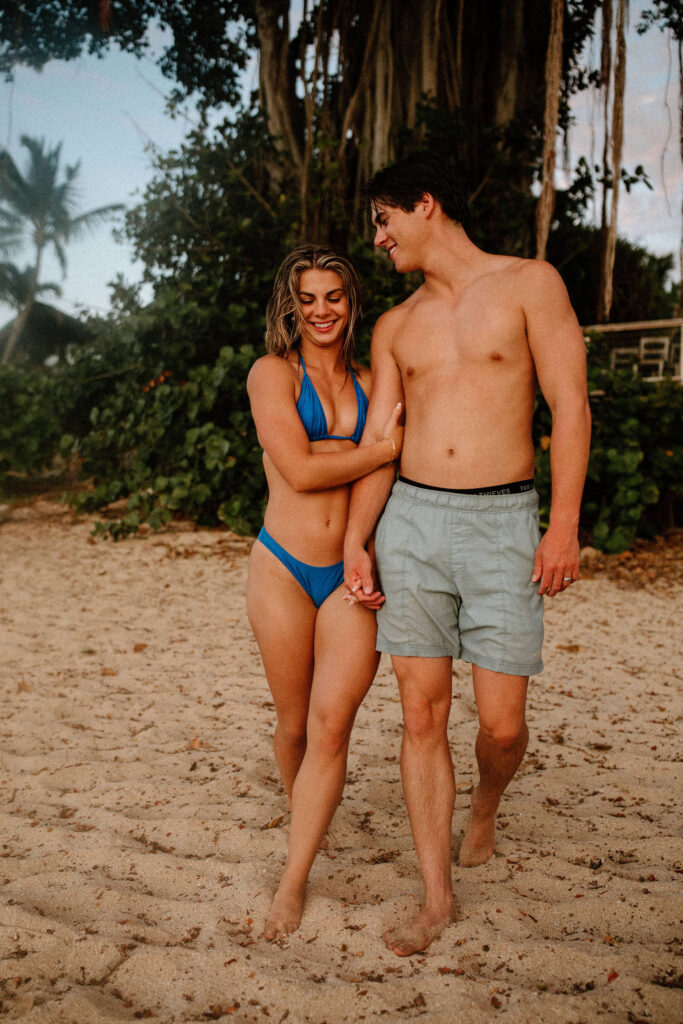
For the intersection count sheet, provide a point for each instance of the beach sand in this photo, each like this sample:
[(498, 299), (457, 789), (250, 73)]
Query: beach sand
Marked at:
[(143, 824)]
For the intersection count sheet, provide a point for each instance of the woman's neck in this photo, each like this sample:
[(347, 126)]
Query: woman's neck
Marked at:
[(327, 359)]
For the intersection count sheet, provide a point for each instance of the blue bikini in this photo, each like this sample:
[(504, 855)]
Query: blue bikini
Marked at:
[(312, 414), (317, 580)]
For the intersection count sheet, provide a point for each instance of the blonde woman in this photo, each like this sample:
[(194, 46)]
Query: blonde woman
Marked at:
[(308, 400)]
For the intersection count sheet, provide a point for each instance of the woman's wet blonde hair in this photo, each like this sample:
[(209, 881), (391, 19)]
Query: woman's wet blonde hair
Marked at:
[(283, 313)]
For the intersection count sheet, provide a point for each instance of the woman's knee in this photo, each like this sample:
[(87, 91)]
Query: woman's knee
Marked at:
[(329, 730), (291, 731)]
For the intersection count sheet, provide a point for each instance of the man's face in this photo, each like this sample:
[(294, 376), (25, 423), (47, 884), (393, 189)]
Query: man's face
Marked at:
[(395, 232)]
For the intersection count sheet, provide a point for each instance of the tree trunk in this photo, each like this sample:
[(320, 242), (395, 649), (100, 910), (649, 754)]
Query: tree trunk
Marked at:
[(511, 28), (276, 95), (679, 309), (607, 273), (376, 63), (22, 316), (553, 80)]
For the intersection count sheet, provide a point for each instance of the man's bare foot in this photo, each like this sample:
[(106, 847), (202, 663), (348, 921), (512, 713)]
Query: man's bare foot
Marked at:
[(285, 913), (416, 935), (478, 844)]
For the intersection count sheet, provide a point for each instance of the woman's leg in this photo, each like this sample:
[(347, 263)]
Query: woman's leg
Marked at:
[(283, 617), (345, 665)]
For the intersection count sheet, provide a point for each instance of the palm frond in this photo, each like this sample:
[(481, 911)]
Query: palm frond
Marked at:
[(15, 285), (60, 254), (92, 218), (40, 203)]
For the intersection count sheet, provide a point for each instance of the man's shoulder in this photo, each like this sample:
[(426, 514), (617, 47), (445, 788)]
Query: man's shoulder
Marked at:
[(529, 271), (531, 282), (393, 317)]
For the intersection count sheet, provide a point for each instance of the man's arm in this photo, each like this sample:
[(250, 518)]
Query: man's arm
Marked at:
[(559, 354), (369, 495)]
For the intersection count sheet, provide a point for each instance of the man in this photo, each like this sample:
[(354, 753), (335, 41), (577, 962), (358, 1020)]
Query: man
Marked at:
[(459, 554)]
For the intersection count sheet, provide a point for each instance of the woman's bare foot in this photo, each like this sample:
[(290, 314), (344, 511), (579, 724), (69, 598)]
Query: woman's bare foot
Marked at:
[(478, 844), (420, 932), (285, 913)]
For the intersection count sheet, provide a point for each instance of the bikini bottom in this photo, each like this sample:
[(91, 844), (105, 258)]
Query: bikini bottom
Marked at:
[(317, 580)]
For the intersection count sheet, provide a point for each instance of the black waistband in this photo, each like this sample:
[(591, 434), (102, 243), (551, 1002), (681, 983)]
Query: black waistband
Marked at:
[(517, 487)]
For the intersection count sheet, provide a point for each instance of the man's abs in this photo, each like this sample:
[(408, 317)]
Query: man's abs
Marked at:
[(468, 440)]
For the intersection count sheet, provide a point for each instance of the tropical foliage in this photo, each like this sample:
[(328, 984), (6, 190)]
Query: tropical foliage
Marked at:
[(155, 407), (39, 210)]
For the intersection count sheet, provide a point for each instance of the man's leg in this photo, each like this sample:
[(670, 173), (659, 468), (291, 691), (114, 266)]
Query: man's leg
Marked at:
[(427, 773), (500, 746)]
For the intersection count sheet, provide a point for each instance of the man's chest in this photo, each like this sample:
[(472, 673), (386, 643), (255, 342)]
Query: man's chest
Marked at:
[(439, 345)]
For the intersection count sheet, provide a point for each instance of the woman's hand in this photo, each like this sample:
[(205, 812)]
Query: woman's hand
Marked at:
[(393, 432)]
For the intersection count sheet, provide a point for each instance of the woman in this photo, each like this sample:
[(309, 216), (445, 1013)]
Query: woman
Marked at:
[(308, 400)]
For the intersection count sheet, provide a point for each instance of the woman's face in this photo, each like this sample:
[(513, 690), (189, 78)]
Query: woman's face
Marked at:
[(324, 307)]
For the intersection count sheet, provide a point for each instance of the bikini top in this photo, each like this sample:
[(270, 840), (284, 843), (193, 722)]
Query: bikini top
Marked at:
[(312, 414)]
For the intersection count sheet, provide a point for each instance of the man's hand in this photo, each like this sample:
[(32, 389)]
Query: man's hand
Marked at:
[(359, 579), (556, 564)]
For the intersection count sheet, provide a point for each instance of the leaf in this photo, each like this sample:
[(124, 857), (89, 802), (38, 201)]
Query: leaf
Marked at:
[(611, 976), (275, 823)]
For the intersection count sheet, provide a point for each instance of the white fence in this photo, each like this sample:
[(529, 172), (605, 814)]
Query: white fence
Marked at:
[(651, 347)]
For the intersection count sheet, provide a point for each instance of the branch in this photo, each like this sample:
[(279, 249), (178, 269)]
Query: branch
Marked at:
[(250, 188), (353, 102)]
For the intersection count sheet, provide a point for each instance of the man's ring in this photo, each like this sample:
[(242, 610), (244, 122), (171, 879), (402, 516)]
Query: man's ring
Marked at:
[(567, 579)]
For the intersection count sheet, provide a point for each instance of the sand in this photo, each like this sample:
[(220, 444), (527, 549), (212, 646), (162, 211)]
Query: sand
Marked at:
[(143, 829)]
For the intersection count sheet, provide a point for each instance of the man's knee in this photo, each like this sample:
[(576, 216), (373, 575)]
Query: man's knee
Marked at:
[(505, 735), (424, 719), (425, 686)]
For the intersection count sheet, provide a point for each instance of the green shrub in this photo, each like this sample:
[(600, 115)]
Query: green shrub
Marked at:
[(635, 471), (30, 424), (178, 447), (181, 442)]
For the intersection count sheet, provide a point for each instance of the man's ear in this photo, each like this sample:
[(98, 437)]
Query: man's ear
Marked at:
[(427, 204)]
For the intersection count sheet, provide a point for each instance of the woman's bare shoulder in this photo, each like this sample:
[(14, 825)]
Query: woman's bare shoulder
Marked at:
[(271, 371), (364, 377)]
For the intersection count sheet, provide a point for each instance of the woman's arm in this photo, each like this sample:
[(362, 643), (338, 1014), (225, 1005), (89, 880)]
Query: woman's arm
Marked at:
[(282, 435)]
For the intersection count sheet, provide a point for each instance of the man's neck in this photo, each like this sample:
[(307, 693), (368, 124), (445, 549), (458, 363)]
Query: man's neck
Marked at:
[(451, 259)]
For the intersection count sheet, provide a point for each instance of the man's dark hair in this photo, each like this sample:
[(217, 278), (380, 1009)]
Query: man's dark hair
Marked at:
[(404, 183)]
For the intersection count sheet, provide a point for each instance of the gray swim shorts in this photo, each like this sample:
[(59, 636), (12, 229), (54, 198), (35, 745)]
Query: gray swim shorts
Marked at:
[(456, 573)]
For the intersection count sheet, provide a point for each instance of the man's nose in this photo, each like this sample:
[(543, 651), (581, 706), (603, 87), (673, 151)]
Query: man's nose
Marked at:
[(380, 235)]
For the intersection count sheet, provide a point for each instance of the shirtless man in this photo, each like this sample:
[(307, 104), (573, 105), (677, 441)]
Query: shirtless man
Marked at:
[(459, 553)]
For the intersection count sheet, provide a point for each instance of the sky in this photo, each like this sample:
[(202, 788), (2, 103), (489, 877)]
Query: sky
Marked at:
[(108, 112)]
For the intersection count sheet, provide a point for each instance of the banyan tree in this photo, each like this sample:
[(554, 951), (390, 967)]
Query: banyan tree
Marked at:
[(347, 85)]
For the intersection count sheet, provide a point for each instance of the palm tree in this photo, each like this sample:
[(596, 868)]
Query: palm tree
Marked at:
[(40, 208), (15, 285)]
